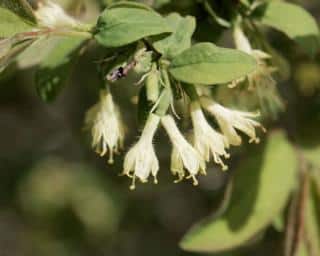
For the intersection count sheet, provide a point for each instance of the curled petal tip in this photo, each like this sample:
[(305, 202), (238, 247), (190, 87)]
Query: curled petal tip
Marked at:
[(132, 187), (225, 168)]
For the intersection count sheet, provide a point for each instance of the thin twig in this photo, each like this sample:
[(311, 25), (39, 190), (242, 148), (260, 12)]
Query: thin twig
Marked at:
[(303, 199), (290, 226), (295, 234)]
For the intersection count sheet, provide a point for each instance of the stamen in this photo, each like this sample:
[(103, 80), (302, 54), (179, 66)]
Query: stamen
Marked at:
[(254, 140), (133, 184), (174, 111), (142, 79), (225, 167), (155, 180), (111, 160), (195, 181), (178, 180)]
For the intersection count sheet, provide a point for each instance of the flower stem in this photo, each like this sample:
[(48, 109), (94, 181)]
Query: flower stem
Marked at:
[(191, 92), (166, 95)]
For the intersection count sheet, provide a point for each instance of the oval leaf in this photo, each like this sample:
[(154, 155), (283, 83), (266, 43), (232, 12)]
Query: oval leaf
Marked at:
[(294, 21), (207, 64), (20, 7), (11, 24), (121, 26), (312, 225), (261, 189), (54, 70), (128, 4), (180, 39)]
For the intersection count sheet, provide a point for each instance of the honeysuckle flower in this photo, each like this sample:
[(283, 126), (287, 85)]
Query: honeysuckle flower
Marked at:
[(231, 120), (207, 141), (184, 156), (262, 76), (51, 15), (261, 79), (141, 160), (176, 165), (107, 129)]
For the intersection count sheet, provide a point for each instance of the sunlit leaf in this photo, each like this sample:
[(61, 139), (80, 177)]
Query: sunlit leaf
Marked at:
[(55, 69), (20, 7), (294, 21), (180, 39), (312, 222), (121, 26), (262, 186), (128, 4), (10, 49), (207, 64), (11, 24)]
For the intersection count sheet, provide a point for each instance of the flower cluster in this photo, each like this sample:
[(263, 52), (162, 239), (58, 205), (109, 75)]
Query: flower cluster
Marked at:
[(188, 156), (106, 126)]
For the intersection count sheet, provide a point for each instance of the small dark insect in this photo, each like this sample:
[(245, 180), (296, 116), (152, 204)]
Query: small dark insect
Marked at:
[(120, 72)]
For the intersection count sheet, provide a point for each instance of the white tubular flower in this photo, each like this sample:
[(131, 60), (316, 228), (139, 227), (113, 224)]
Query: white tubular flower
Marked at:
[(206, 140), (241, 41), (262, 76), (52, 15), (230, 120), (184, 156), (176, 166), (106, 126), (141, 160)]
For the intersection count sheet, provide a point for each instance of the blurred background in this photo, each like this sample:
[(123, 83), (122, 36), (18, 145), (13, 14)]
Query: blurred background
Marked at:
[(57, 197)]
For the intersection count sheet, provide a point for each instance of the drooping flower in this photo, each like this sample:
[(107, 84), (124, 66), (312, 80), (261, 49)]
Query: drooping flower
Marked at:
[(184, 156), (176, 165), (261, 78), (107, 129), (207, 141), (231, 120), (51, 15), (141, 160)]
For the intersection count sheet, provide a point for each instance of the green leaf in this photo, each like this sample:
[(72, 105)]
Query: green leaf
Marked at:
[(54, 70), (144, 106), (262, 186), (10, 49), (312, 154), (302, 249), (21, 8), (11, 24), (294, 21), (207, 64), (128, 4), (121, 26), (308, 138), (219, 20), (180, 39), (37, 52), (312, 228)]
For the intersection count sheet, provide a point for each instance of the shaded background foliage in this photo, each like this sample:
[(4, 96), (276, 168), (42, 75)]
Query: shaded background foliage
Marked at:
[(58, 198)]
